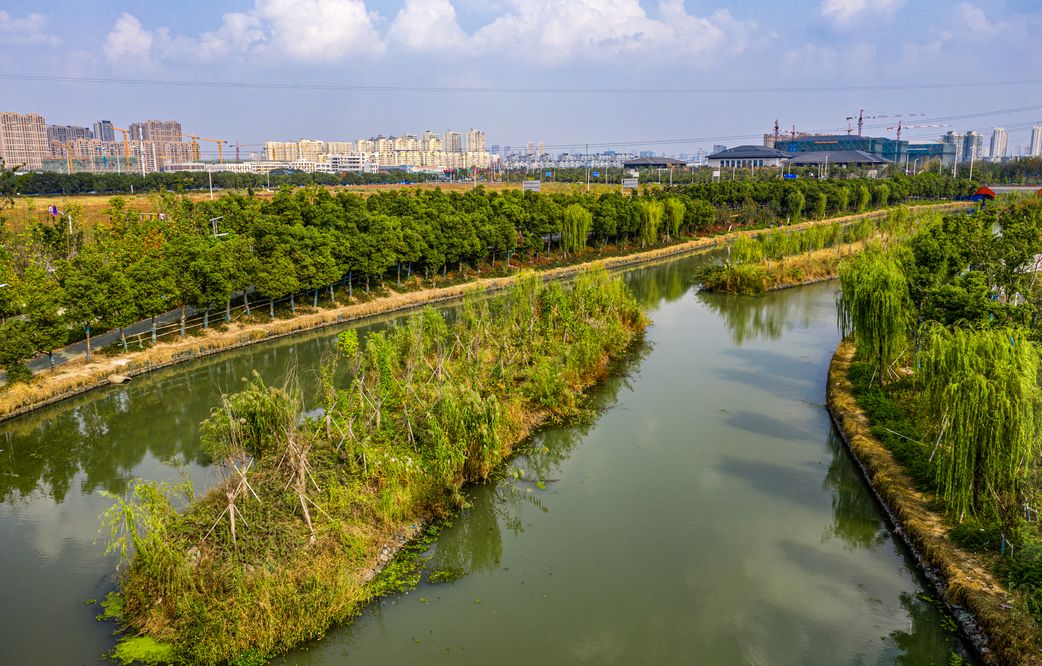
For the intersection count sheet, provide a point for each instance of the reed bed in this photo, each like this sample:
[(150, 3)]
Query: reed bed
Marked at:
[(310, 509)]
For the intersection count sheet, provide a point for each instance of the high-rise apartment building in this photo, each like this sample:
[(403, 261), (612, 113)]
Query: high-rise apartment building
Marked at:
[(972, 146), (156, 130), (453, 142), (432, 142), (103, 131), (66, 133), (958, 140), (23, 139), (475, 141), (999, 143), (1035, 147)]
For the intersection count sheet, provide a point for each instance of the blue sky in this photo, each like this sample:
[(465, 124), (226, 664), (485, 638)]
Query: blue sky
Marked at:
[(495, 44)]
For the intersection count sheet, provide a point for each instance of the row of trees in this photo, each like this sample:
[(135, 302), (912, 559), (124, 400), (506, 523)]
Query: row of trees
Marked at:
[(62, 278), (126, 183), (956, 307)]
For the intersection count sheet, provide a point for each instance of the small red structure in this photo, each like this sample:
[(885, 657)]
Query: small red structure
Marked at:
[(985, 192)]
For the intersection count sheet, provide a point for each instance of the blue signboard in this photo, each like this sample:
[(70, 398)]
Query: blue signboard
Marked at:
[(596, 174), (789, 176), (547, 174)]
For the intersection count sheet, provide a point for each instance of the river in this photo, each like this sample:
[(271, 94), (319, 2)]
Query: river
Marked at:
[(705, 511)]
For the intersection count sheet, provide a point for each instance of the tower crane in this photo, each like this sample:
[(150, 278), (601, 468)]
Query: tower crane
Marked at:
[(901, 126), (195, 146), (861, 118), (126, 143)]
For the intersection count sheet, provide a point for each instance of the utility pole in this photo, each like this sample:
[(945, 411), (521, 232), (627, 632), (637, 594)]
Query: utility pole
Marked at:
[(587, 168), (209, 174)]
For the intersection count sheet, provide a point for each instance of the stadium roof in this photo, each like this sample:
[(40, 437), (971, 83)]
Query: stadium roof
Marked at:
[(749, 153), (653, 162), (836, 157)]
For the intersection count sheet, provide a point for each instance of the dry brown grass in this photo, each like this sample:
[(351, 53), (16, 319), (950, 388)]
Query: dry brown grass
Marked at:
[(963, 578), (78, 377)]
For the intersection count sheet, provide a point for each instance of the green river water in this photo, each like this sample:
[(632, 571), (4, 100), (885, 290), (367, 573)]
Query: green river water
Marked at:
[(705, 513)]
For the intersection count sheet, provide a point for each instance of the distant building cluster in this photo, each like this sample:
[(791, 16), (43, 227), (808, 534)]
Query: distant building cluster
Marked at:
[(429, 152), (27, 140)]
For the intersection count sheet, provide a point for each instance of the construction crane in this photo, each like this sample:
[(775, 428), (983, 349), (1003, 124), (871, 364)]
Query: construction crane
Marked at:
[(126, 143), (195, 146), (901, 126), (861, 118)]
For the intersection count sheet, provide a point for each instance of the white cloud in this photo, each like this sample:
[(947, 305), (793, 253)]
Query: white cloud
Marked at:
[(540, 31), (554, 31), (128, 41), (320, 30), (844, 12), (427, 25), (29, 30)]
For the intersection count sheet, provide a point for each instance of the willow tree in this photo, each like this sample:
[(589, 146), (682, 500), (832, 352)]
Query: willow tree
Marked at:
[(981, 389), (575, 227), (875, 306), (675, 211), (651, 213)]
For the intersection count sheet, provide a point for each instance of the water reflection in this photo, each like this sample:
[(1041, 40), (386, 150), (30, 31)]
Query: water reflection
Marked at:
[(921, 643), (856, 517), (474, 543), (765, 317)]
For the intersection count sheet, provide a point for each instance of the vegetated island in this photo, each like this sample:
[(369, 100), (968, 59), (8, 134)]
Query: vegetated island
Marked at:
[(936, 392), (311, 508), (781, 258)]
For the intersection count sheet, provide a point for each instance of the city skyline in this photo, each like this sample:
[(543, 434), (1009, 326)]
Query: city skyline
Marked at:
[(412, 59)]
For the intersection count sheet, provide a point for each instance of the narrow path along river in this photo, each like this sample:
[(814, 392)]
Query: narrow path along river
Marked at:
[(705, 513)]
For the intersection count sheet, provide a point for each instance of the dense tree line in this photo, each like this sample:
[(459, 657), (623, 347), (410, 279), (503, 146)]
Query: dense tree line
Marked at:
[(37, 183), (200, 254)]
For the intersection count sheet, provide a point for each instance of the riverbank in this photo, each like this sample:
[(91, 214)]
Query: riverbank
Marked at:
[(991, 616), (79, 377)]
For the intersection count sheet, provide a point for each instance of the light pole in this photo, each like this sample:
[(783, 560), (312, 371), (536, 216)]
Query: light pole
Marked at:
[(209, 174), (213, 222)]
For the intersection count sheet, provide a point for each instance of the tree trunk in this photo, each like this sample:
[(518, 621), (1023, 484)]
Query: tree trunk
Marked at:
[(183, 308), (292, 305), (206, 317), (122, 338), (350, 284), (271, 307), (408, 275), (246, 302), (153, 329), (228, 310), (50, 357), (315, 302), (89, 357), (399, 273), (332, 299)]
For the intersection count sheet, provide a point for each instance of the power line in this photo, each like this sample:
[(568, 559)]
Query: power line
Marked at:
[(509, 90)]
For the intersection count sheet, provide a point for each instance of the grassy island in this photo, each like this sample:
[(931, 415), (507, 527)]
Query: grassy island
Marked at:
[(313, 507), (784, 257)]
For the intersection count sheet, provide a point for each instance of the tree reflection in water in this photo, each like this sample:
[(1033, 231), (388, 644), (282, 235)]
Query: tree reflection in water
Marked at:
[(921, 643), (474, 542), (859, 524), (856, 518)]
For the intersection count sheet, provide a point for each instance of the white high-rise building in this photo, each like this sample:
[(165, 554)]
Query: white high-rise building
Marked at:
[(999, 143), (957, 140), (453, 142), (475, 141), (1036, 141), (23, 140)]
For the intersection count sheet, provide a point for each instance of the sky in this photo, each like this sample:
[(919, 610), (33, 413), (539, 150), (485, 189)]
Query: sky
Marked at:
[(664, 75)]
